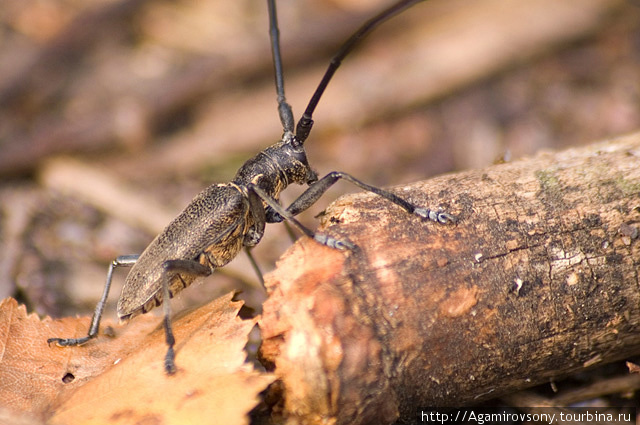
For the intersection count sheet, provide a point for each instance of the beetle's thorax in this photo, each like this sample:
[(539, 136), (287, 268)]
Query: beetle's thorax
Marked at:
[(276, 167)]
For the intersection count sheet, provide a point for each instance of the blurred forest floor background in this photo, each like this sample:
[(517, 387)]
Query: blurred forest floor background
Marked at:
[(115, 113)]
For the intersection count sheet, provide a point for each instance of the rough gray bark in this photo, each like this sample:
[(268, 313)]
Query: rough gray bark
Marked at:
[(538, 279)]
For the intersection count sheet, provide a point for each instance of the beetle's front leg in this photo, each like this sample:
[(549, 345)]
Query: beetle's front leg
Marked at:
[(317, 189)]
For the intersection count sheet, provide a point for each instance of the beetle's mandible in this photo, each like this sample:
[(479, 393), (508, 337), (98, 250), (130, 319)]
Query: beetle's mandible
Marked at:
[(226, 217)]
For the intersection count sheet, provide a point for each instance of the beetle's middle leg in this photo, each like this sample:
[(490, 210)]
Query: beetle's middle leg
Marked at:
[(121, 261), (171, 269)]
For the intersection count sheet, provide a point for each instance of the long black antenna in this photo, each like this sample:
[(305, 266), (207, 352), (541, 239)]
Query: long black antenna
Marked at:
[(303, 128), (284, 109)]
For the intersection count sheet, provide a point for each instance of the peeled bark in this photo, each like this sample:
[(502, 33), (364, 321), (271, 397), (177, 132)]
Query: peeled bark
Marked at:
[(538, 279)]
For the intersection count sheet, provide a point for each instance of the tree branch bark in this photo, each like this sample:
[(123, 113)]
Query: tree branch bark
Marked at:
[(538, 279)]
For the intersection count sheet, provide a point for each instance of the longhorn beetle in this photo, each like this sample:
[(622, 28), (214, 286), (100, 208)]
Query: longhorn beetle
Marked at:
[(226, 217)]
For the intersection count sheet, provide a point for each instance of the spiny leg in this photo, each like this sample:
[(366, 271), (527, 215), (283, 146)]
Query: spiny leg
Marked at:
[(173, 268), (121, 261), (315, 191), (321, 238)]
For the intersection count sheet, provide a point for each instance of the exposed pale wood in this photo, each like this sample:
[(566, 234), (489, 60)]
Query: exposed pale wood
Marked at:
[(538, 279)]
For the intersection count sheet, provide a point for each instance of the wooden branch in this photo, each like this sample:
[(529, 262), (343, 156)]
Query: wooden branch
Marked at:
[(538, 279)]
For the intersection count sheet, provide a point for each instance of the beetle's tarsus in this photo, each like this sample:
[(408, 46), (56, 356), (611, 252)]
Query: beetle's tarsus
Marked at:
[(333, 242), (169, 361), (68, 342), (437, 216)]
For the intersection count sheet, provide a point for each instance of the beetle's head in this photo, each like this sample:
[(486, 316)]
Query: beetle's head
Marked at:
[(293, 161)]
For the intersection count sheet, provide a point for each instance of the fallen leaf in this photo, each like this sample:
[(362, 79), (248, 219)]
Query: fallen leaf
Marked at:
[(121, 379)]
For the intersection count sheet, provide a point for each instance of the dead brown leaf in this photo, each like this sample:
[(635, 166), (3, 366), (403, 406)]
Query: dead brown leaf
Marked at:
[(121, 379)]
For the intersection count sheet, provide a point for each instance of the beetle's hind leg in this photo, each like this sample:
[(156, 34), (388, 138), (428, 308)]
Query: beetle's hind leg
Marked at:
[(121, 261), (171, 268)]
